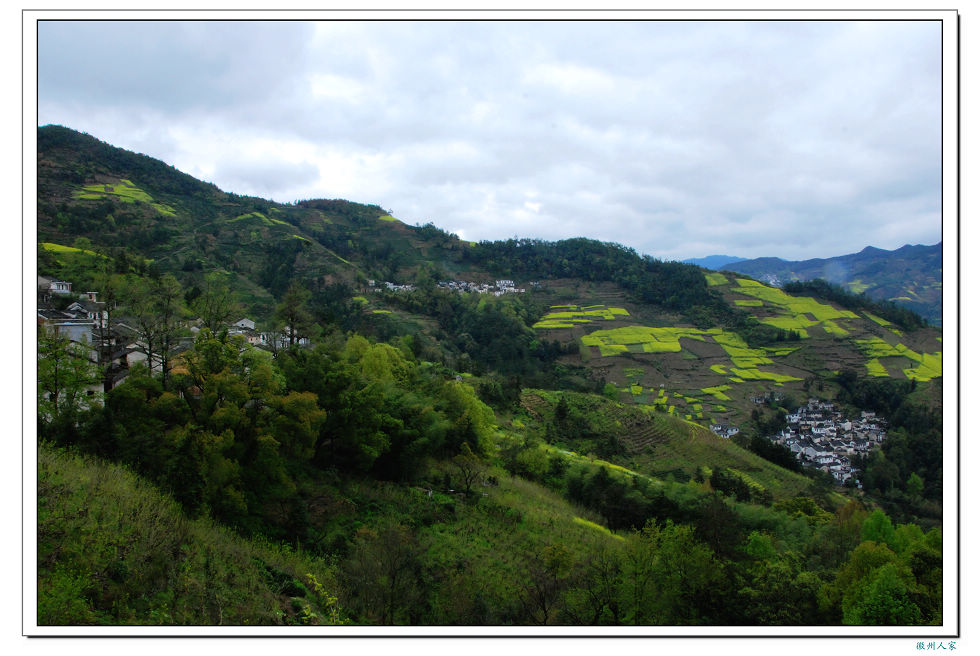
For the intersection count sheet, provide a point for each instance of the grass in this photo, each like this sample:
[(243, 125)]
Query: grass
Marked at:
[(114, 550), (692, 446), (597, 527)]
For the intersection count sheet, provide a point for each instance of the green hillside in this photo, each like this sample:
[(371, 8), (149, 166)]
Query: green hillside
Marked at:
[(416, 453)]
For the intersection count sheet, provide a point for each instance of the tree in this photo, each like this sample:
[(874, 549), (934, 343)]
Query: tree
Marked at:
[(169, 303), (382, 574), (109, 285), (216, 305), (293, 314), (878, 528), (470, 467), (915, 485), (545, 579), (65, 373), (882, 599), (157, 308)]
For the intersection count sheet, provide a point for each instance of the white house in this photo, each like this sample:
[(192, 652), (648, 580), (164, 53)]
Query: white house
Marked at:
[(245, 324)]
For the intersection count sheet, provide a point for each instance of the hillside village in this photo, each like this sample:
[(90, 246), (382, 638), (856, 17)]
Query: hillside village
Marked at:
[(117, 344), (817, 433), (821, 437), (499, 288)]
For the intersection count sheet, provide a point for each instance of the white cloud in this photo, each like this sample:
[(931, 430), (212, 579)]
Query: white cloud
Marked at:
[(799, 139)]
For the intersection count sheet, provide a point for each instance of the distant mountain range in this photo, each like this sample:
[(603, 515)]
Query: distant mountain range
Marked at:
[(910, 276), (714, 262)]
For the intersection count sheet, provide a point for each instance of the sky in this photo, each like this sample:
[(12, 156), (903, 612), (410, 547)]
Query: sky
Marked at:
[(680, 139)]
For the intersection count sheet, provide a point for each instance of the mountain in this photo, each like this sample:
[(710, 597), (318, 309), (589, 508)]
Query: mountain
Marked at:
[(911, 276), (609, 315), (508, 432), (714, 262)]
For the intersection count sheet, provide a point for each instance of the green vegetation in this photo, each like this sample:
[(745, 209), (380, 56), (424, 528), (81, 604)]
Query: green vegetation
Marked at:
[(259, 217), (799, 313), (436, 458), (113, 550), (567, 316), (125, 191), (923, 366), (904, 318), (715, 278)]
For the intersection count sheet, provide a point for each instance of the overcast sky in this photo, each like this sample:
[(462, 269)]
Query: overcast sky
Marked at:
[(680, 139)]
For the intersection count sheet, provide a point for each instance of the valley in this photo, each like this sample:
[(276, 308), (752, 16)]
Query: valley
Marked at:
[(376, 423)]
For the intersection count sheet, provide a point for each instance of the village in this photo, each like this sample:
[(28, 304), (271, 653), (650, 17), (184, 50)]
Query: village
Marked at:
[(500, 288), (821, 437), (118, 345), (817, 433)]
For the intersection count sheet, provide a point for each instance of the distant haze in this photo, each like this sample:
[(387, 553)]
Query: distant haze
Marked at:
[(681, 139)]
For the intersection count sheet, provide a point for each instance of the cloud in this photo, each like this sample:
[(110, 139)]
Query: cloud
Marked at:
[(680, 139)]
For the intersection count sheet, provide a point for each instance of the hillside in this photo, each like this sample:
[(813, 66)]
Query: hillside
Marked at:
[(911, 276), (665, 335), (507, 432), (128, 203)]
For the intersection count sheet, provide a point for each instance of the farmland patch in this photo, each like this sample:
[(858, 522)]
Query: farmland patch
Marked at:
[(795, 313), (569, 316), (124, 191)]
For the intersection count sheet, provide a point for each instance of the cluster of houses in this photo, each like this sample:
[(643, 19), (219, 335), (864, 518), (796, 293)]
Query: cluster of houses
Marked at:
[(724, 430), (118, 346), (822, 437), (390, 286), (499, 288)]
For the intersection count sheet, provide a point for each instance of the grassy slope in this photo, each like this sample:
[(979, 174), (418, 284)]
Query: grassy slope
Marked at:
[(113, 550), (655, 444)]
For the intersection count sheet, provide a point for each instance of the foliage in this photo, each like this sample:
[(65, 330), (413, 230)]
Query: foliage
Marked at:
[(375, 451), (65, 375), (113, 550)]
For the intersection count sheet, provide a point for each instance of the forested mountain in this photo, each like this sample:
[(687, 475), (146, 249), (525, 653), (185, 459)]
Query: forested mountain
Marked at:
[(377, 423), (911, 276)]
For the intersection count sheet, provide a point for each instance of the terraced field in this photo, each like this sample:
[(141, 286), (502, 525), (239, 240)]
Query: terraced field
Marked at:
[(795, 313), (915, 366), (569, 316), (711, 375), (125, 191)]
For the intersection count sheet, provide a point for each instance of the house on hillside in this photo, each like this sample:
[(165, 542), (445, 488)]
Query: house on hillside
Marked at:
[(245, 324), (52, 286), (724, 430), (76, 329)]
